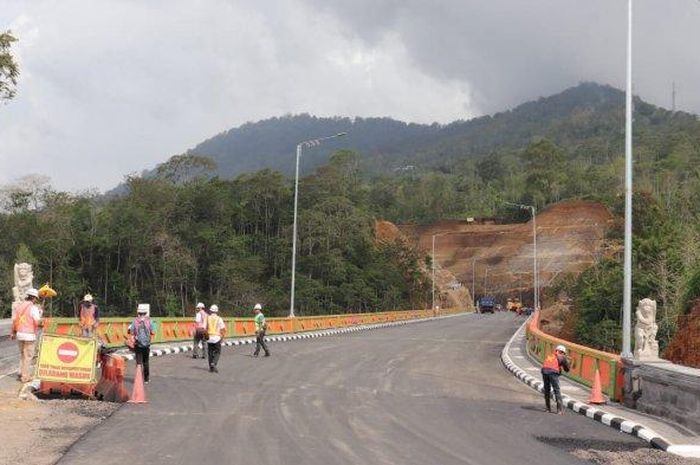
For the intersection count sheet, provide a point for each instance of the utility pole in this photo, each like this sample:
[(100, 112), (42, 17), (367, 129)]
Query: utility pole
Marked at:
[(673, 96), (474, 280), (433, 263)]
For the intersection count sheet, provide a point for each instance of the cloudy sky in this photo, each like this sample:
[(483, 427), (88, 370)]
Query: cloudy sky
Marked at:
[(111, 87)]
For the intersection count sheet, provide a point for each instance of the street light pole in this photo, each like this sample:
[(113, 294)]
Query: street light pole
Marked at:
[(535, 276), (433, 264), (300, 146), (534, 259), (474, 280), (627, 290)]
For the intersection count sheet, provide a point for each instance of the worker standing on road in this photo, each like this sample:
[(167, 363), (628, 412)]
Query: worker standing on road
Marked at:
[(143, 330), (25, 327), (200, 331), (551, 369), (89, 316), (216, 330), (260, 330)]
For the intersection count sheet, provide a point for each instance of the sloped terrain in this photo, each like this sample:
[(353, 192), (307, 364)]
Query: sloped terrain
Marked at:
[(684, 348), (447, 294), (571, 236)]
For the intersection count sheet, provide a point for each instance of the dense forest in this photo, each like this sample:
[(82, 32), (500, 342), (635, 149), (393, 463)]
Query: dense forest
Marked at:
[(213, 240), (188, 231)]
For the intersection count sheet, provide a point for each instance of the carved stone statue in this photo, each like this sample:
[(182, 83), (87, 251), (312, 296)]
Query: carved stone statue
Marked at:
[(23, 281), (646, 346)]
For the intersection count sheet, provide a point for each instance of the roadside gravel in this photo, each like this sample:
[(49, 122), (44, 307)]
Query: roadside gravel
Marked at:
[(39, 432), (636, 457)]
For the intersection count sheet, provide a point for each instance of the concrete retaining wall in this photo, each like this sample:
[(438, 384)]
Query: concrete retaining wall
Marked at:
[(664, 390)]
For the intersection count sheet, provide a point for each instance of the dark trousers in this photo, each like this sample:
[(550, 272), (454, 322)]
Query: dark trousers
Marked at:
[(199, 337), (551, 382), (214, 353), (260, 342), (142, 354)]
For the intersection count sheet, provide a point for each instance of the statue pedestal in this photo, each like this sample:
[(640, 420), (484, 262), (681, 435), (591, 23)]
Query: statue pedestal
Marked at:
[(663, 389)]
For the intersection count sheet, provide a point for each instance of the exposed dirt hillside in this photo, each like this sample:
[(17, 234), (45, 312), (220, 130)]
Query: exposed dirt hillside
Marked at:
[(570, 235), (684, 348), (447, 294)]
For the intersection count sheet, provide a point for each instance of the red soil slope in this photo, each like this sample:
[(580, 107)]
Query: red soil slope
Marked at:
[(570, 235)]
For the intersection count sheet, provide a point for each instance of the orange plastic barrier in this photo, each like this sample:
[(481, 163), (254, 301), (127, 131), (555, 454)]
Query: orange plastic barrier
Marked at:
[(111, 385), (584, 360), (113, 330)]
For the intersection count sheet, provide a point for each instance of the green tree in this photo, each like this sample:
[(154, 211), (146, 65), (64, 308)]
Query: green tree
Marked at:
[(544, 165), (9, 70)]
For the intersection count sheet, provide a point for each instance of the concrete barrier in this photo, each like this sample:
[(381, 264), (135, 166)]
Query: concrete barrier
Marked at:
[(5, 327), (113, 330), (584, 360)]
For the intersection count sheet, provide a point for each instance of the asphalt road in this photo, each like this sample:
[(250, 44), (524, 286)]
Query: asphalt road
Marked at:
[(9, 355), (429, 393)]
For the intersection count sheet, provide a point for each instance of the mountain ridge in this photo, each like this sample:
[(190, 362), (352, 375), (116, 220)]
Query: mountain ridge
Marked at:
[(388, 145)]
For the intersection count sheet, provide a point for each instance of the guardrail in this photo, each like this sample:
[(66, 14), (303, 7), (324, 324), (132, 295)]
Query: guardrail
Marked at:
[(114, 330), (584, 360)]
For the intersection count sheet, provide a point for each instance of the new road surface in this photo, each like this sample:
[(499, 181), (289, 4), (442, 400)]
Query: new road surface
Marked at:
[(428, 393)]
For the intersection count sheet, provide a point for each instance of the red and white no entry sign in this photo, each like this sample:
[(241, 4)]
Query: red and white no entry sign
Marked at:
[(67, 352)]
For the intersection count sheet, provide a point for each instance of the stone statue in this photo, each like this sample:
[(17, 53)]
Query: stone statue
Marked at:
[(23, 281), (646, 347)]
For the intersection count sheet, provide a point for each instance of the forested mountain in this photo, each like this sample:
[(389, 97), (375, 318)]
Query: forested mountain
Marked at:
[(588, 117), (272, 143)]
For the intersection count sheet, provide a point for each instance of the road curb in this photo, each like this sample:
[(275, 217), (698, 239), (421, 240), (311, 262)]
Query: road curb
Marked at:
[(187, 347), (601, 416)]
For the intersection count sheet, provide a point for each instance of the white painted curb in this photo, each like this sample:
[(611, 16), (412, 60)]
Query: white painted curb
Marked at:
[(597, 414)]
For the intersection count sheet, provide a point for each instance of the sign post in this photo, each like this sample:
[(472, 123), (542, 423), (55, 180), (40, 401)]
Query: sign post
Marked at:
[(67, 359)]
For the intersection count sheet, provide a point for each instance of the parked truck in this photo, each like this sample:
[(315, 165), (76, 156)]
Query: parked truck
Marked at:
[(487, 304)]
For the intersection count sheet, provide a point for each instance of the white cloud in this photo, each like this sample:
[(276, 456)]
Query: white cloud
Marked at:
[(110, 87), (113, 87)]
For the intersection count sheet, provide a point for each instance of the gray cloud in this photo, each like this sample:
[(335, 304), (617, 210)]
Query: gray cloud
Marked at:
[(110, 87), (513, 50)]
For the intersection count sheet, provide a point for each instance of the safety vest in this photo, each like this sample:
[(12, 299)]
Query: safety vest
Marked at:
[(203, 316), (87, 316), (260, 322), (24, 323), (551, 362), (213, 325)]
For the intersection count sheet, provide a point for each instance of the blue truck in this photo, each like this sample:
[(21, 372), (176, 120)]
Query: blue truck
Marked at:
[(487, 305)]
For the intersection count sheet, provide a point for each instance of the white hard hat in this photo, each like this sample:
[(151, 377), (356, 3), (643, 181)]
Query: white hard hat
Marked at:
[(200, 305), (561, 349), (214, 308), (88, 298), (143, 308), (257, 307), (31, 292)]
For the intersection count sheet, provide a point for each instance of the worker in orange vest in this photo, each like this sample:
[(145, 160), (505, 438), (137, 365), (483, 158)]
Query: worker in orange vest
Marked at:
[(25, 327), (551, 370), (89, 316), (200, 331)]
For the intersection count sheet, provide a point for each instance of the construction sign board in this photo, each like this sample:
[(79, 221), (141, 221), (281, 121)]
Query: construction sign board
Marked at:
[(67, 359)]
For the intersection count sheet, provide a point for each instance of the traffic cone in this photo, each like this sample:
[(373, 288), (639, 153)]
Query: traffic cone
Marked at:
[(138, 394), (597, 392)]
